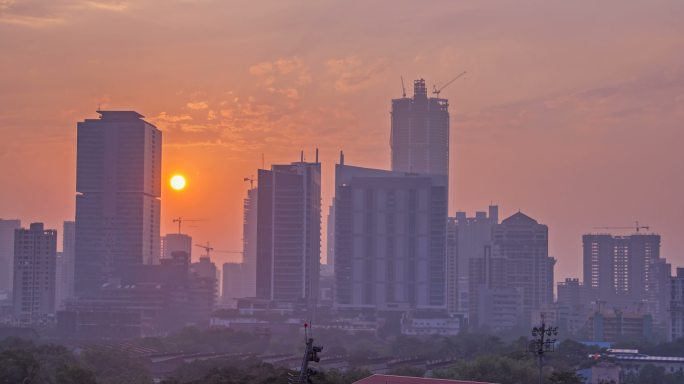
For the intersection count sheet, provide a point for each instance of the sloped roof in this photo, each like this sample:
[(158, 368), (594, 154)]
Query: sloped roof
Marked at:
[(519, 218), (390, 379)]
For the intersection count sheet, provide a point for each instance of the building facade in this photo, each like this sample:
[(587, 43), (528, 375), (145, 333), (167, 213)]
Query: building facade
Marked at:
[(420, 133), (524, 246), (467, 238), (175, 242), (118, 184), (249, 242), (627, 271), (35, 256), (289, 233), (390, 239), (677, 306), (7, 228)]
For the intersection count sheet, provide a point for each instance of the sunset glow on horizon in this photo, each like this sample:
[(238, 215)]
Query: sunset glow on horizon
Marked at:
[(555, 116)]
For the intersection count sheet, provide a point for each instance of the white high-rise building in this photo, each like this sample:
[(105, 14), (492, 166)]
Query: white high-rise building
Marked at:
[(7, 228), (35, 256), (118, 184)]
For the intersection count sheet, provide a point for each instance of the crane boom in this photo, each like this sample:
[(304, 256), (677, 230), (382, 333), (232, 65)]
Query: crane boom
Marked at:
[(403, 88), (180, 220), (636, 227), (437, 91)]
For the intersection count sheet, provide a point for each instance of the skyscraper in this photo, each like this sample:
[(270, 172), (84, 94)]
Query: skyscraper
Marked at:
[(466, 241), (420, 133), (330, 254), (390, 239), (118, 184), (289, 233), (524, 244), (249, 243), (7, 228), (35, 254), (65, 272), (627, 271)]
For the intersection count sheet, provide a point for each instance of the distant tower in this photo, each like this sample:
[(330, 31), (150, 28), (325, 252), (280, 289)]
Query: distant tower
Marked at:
[(118, 184), (420, 133), (524, 244), (7, 228), (176, 242), (289, 233), (249, 243), (35, 256)]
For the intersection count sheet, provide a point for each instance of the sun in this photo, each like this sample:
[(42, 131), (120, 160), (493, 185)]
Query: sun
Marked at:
[(177, 182)]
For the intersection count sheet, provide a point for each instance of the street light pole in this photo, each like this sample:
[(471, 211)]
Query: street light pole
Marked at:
[(543, 341)]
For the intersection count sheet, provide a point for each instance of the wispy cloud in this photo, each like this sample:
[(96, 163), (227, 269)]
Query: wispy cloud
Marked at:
[(352, 74)]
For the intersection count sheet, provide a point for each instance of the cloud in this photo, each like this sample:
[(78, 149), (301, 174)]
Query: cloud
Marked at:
[(196, 105), (352, 74), (283, 76), (40, 14)]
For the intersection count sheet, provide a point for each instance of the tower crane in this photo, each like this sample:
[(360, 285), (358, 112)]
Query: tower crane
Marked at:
[(437, 91), (180, 220), (403, 88), (207, 248), (251, 181), (636, 226)]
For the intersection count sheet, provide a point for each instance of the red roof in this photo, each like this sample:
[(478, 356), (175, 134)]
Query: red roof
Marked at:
[(389, 379)]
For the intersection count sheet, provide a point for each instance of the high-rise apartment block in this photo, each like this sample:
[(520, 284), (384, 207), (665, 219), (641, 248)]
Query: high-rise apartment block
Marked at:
[(249, 243), (118, 184), (7, 228), (420, 133), (467, 238), (676, 330), (390, 239), (627, 271), (35, 254), (65, 264), (524, 245), (289, 233)]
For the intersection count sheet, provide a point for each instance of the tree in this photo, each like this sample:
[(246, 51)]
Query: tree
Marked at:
[(497, 369), (18, 366), (565, 377), (72, 374)]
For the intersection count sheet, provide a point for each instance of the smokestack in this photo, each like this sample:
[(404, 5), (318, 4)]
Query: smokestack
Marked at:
[(341, 158)]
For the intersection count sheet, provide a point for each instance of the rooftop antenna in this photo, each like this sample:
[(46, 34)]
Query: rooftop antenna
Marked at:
[(301, 156), (403, 88), (341, 158), (316, 155)]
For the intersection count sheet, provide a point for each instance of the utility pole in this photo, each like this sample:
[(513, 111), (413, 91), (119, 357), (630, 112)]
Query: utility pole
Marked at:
[(543, 341), (310, 354)]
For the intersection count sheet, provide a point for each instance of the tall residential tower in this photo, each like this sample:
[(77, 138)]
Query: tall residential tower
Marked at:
[(289, 233), (118, 184)]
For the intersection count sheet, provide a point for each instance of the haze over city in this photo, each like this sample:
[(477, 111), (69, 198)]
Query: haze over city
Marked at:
[(573, 117)]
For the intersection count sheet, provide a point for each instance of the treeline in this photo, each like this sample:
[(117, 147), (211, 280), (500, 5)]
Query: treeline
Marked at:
[(477, 357)]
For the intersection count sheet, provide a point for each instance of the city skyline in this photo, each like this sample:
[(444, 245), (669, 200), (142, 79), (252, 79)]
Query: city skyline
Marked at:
[(565, 123)]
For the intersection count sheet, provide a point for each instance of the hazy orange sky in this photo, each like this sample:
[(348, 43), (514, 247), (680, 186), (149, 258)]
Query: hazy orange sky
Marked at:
[(572, 111)]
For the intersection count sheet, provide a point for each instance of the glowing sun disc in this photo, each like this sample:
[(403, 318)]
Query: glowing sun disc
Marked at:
[(177, 182)]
